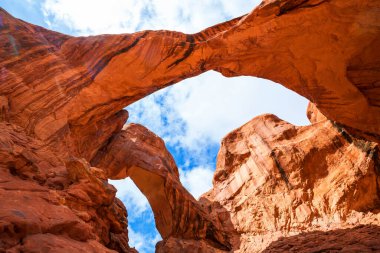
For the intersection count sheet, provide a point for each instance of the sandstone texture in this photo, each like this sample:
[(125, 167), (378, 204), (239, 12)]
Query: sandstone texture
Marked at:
[(277, 180), (277, 187), (52, 205), (137, 153)]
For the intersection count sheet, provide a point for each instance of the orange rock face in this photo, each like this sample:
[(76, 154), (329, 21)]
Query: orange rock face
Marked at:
[(87, 80), (141, 155), (61, 138), (48, 203), (277, 180)]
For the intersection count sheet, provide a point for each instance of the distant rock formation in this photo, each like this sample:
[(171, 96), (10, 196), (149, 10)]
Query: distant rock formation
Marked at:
[(137, 153), (62, 136), (277, 180)]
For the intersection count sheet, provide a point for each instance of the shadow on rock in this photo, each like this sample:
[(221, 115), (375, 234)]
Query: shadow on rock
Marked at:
[(222, 220), (364, 238)]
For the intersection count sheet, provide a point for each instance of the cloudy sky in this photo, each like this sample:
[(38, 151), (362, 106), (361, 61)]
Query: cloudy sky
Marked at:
[(191, 116)]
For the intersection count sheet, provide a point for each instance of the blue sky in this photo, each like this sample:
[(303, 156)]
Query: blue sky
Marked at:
[(191, 116)]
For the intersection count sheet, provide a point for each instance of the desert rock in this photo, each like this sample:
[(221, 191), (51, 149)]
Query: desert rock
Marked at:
[(278, 180), (62, 136)]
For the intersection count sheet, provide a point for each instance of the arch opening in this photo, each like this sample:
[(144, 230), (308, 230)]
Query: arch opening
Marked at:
[(178, 114), (193, 116), (142, 231), (201, 121)]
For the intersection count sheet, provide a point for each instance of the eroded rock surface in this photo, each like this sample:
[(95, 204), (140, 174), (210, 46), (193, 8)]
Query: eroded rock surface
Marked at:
[(52, 205), (61, 120), (137, 153), (71, 86), (278, 180), (363, 238)]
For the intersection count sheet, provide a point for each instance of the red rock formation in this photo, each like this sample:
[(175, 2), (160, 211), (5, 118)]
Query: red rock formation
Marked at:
[(89, 79), (141, 155), (61, 107), (48, 203), (360, 239), (276, 179)]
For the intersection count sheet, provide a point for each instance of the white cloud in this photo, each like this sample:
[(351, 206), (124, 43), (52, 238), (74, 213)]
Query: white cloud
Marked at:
[(131, 196), (214, 105), (136, 240), (138, 211), (142, 242), (86, 17), (198, 180), (201, 110), (89, 16)]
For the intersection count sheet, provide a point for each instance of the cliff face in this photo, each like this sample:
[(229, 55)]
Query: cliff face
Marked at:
[(48, 203), (72, 86), (280, 188), (62, 135), (276, 180)]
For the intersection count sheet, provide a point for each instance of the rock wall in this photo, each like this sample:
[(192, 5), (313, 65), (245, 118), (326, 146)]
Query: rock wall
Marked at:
[(72, 85), (278, 180), (62, 136), (52, 205)]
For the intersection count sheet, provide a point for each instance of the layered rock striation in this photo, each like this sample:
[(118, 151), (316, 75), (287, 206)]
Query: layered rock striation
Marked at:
[(55, 205), (62, 135), (278, 180), (72, 85), (141, 155)]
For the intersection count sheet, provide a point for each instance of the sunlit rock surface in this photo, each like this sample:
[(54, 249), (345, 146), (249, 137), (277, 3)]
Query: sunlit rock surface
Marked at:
[(137, 153), (62, 136), (278, 180)]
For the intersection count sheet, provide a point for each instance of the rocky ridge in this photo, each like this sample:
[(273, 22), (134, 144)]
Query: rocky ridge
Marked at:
[(62, 135)]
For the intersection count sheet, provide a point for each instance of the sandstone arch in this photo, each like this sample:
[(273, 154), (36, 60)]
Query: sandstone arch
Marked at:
[(89, 79), (65, 97), (137, 153)]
